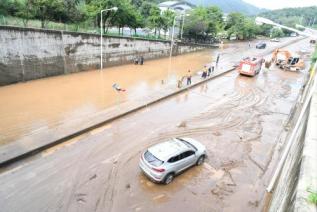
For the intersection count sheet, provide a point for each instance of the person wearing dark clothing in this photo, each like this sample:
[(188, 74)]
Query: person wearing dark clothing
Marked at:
[(141, 60), (209, 71), (204, 74), (136, 61), (189, 78), (217, 60)]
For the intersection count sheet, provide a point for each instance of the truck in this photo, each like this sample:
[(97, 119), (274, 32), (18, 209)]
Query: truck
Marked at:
[(250, 66)]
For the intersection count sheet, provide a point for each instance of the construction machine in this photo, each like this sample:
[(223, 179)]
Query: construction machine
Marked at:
[(289, 62)]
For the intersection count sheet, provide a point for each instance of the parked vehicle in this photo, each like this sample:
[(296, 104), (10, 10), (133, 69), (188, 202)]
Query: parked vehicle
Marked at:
[(275, 40), (260, 45), (293, 34), (233, 37), (312, 41), (250, 66), (163, 161)]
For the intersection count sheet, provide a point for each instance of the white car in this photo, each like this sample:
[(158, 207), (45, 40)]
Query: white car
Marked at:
[(163, 161)]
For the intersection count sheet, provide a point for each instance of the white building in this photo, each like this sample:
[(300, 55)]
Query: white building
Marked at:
[(176, 6)]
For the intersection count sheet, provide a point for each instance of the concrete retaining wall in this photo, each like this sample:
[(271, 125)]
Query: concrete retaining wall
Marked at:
[(298, 175), (27, 53)]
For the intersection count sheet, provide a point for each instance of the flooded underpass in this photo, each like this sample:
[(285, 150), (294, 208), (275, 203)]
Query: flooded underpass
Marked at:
[(239, 119), (27, 107), (34, 106)]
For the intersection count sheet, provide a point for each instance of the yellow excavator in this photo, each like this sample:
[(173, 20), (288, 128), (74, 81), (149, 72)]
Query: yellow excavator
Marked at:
[(288, 63)]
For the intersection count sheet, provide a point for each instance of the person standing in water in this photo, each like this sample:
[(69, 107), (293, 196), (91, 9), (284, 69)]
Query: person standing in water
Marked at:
[(189, 78)]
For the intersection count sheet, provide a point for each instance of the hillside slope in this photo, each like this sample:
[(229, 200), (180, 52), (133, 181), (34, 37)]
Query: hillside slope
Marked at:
[(230, 6), (306, 16)]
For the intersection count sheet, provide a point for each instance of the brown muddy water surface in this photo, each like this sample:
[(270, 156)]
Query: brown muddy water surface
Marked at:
[(30, 106)]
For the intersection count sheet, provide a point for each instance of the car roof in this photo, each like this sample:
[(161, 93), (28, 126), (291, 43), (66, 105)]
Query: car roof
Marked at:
[(168, 149)]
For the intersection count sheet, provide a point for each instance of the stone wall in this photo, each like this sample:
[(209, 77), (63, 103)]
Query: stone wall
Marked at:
[(27, 53)]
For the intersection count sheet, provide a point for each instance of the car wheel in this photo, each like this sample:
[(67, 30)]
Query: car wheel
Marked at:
[(169, 178), (200, 160)]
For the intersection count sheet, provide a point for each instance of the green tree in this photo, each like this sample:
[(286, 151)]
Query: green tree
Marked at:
[(277, 32), (8, 7), (47, 10), (127, 15), (167, 20), (146, 8), (25, 11), (93, 10), (241, 26), (203, 23), (73, 12), (154, 21)]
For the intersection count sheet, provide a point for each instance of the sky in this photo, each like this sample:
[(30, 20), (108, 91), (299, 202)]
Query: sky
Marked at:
[(278, 4)]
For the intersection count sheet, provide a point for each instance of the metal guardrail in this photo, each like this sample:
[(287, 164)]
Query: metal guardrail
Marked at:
[(306, 97)]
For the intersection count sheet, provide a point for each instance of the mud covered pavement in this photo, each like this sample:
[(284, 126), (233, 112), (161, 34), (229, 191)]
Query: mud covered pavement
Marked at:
[(239, 119)]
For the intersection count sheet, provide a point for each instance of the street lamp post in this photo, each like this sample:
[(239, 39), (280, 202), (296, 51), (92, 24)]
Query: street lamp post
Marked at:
[(173, 31), (182, 29), (101, 33), (172, 39)]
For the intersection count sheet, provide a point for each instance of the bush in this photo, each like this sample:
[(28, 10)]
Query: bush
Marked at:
[(312, 198), (314, 57)]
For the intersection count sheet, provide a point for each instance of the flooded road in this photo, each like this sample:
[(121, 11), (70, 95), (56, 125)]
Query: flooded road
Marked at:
[(25, 107), (45, 103), (30, 107), (239, 119)]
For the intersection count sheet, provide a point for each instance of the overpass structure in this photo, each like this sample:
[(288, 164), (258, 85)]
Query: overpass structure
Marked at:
[(308, 32)]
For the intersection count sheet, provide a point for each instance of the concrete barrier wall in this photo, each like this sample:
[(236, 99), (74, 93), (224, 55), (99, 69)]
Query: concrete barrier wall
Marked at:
[(298, 175), (27, 53)]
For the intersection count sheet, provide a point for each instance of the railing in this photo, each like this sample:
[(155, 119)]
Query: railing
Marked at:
[(284, 181)]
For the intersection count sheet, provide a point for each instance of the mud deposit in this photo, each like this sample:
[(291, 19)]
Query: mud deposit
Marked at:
[(239, 119)]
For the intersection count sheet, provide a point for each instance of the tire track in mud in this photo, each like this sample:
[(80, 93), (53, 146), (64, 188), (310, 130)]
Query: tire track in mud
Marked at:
[(83, 174), (221, 116)]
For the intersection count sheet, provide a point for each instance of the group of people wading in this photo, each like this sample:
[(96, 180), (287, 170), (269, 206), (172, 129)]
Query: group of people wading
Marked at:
[(207, 71)]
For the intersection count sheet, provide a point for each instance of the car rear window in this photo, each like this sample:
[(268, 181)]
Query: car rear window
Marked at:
[(151, 159)]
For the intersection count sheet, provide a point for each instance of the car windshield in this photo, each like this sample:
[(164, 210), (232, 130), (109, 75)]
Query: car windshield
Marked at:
[(187, 144), (151, 159)]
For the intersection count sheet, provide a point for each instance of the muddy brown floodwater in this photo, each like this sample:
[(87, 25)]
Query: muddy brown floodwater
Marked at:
[(26, 107), (239, 119), (47, 103)]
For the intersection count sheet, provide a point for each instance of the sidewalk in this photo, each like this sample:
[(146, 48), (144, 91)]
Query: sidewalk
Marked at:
[(44, 138)]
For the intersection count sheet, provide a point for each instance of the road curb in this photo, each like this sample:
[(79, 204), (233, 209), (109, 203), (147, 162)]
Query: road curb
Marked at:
[(7, 162)]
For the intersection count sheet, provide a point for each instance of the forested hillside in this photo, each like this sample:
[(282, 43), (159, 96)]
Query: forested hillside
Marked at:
[(306, 16), (228, 6)]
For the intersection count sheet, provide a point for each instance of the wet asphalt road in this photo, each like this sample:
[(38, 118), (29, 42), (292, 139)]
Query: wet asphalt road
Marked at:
[(239, 119)]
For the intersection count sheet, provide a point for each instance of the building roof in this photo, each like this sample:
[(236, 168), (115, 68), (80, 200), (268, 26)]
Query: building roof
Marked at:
[(175, 3)]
